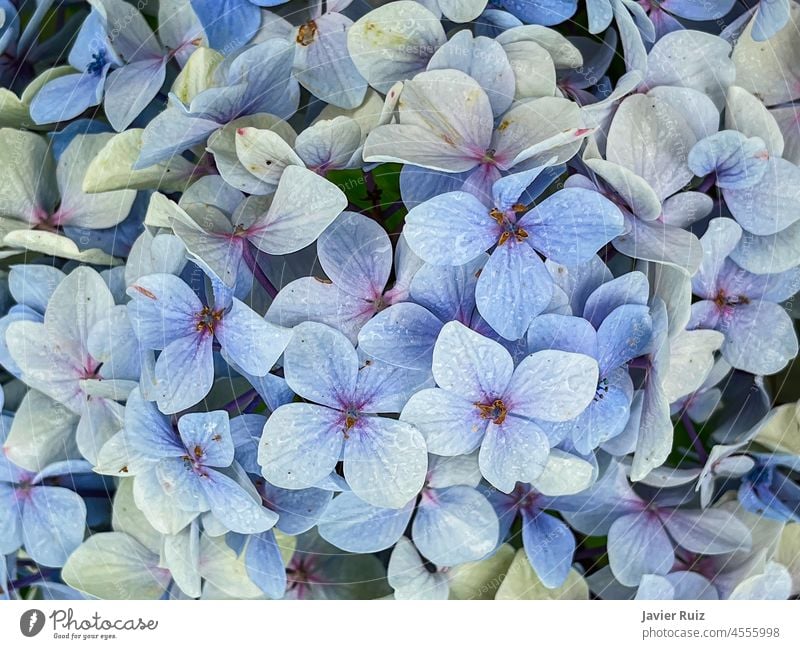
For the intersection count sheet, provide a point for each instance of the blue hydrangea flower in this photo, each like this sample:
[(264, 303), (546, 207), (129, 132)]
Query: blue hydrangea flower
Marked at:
[(356, 254), (59, 356), (453, 522), (221, 229), (35, 512), (514, 286), (384, 459), (741, 304), (642, 534), (483, 401), (255, 80), (446, 125), (167, 315), (767, 490), (116, 35), (404, 334), (181, 474), (614, 333), (68, 96)]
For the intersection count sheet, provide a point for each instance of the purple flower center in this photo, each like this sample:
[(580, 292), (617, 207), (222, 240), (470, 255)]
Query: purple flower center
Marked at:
[(99, 62)]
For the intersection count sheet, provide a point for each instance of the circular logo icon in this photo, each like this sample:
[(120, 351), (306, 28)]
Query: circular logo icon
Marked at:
[(31, 622)]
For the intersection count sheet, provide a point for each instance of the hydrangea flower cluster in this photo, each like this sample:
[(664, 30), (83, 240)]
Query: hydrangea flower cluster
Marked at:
[(420, 299)]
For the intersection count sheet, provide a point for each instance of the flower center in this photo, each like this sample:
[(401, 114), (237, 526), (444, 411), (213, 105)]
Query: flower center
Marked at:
[(496, 411), (207, 319), (193, 461), (351, 415), (508, 221), (602, 390), (306, 33), (723, 300), (98, 63)]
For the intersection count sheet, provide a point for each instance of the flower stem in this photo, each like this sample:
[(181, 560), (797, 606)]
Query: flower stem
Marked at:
[(696, 443), (241, 403), (258, 273), (27, 580)]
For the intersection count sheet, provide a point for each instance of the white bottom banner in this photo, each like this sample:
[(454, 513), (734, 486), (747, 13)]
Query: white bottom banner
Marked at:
[(334, 624)]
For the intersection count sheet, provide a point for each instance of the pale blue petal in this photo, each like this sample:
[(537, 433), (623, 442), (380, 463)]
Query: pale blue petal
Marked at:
[(737, 161), (354, 525), (184, 373), (693, 10), (147, 431), (606, 416), (562, 332), (570, 226), (771, 17), (227, 21), (317, 300), (170, 133), (418, 184), (630, 288), (471, 365), (131, 88), (450, 229), (484, 60), (549, 545), (53, 523), (509, 190), (163, 308), (298, 509), (384, 388), (708, 531), (540, 12), (552, 385), (181, 485), (301, 445), (624, 335), (454, 525), (250, 341), (385, 461), (515, 451), (207, 435), (451, 424), (448, 292), (235, 508), (746, 348), (265, 564), (513, 288), (67, 97), (356, 254), (403, 335), (320, 364), (324, 67), (765, 208), (638, 546)]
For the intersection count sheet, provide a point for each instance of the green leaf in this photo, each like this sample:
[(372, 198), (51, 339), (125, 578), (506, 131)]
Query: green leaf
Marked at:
[(112, 168), (521, 582)]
